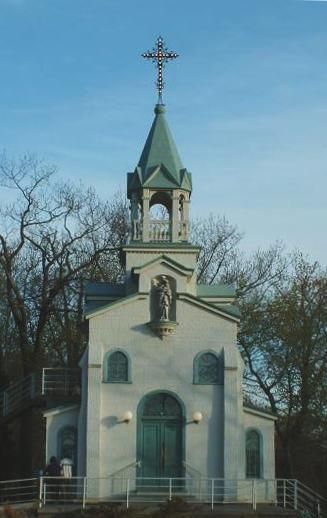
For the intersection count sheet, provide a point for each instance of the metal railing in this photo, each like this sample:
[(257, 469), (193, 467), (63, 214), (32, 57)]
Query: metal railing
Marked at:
[(127, 471), (19, 491), (293, 494), (284, 493), (60, 382), (48, 382)]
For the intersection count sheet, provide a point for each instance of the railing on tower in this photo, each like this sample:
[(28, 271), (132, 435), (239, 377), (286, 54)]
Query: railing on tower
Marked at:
[(160, 231)]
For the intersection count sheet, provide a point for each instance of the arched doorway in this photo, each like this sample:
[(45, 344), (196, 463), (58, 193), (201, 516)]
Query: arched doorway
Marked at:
[(160, 436)]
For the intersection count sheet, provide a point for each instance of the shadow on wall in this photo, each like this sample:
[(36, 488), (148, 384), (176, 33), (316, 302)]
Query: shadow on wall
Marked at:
[(110, 421), (142, 329)]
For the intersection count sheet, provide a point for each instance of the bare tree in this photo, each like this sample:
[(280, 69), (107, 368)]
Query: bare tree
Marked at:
[(284, 340), (51, 236)]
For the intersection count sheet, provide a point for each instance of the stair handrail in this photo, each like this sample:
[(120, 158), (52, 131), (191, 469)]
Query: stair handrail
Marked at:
[(311, 491), (304, 498), (193, 470), (134, 464)]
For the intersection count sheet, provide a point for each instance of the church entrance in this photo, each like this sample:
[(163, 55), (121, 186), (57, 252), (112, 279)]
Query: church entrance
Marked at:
[(161, 436)]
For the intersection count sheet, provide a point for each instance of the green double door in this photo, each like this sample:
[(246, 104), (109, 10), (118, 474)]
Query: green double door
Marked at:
[(160, 442), (161, 448)]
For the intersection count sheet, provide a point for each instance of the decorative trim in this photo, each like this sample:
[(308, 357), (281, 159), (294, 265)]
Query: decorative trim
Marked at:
[(163, 328), (60, 410), (208, 307), (163, 259), (260, 413), (122, 301)]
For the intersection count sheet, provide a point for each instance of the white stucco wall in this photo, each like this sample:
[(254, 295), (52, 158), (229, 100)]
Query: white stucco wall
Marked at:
[(160, 365), (82, 416)]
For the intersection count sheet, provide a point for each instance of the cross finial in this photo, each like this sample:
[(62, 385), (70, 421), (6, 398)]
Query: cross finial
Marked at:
[(160, 55)]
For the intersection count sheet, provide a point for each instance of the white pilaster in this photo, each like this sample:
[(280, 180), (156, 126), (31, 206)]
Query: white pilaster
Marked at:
[(175, 217), (145, 215)]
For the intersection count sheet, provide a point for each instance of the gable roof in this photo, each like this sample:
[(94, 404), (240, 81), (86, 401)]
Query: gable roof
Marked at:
[(107, 289), (98, 294), (215, 290), (164, 259)]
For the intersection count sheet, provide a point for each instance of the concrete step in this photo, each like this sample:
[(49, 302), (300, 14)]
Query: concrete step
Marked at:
[(147, 510)]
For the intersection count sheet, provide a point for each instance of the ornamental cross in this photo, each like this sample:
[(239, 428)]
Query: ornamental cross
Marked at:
[(160, 55)]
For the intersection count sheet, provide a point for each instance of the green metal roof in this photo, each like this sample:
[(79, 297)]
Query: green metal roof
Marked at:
[(93, 289), (215, 290), (160, 166)]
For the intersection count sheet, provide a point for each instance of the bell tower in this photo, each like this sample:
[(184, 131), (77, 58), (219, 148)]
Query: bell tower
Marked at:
[(159, 189)]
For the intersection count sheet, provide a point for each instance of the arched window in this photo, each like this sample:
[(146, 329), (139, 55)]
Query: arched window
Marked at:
[(253, 454), (208, 369), (116, 368), (67, 444)]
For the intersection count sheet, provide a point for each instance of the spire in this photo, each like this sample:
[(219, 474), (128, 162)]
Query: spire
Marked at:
[(160, 166), (160, 149)]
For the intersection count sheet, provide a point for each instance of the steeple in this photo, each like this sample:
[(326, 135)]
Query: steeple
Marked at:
[(160, 149), (159, 179)]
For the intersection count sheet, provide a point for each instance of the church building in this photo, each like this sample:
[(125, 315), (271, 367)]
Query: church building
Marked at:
[(162, 375)]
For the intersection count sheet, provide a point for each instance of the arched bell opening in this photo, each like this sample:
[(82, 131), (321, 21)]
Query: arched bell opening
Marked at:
[(160, 217)]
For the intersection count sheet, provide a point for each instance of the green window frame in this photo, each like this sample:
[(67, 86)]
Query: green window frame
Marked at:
[(208, 368), (116, 367), (67, 444), (253, 454)]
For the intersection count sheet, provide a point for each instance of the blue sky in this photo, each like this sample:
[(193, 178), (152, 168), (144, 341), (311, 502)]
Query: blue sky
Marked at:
[(246, 101)]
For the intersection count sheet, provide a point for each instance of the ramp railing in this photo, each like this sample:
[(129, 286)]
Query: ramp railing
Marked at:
[(81, 491)]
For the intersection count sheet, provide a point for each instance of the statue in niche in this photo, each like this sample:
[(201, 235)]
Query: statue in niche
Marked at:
[(134, 208), (165, 297), (181, 207)]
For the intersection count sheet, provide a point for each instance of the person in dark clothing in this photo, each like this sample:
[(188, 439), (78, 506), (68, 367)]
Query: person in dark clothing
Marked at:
[(53, 468), (53, 485)]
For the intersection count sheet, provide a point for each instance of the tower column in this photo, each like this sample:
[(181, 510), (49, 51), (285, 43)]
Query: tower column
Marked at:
[(186, 220), (146, 216), (175, 217)]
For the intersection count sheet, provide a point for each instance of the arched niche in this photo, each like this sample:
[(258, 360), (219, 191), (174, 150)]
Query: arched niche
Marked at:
[(163, 299)]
